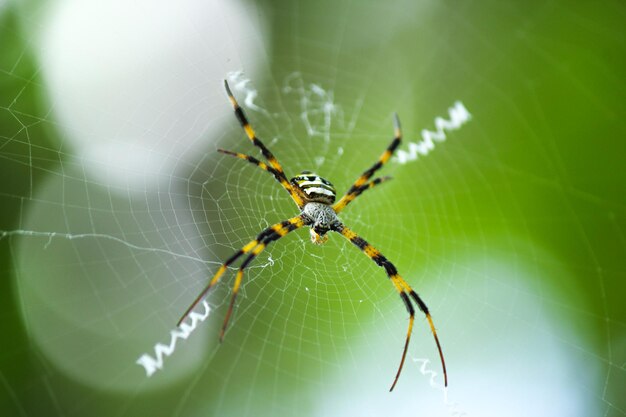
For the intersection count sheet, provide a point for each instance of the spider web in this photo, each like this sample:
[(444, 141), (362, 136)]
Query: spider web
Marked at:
[(116, 207)]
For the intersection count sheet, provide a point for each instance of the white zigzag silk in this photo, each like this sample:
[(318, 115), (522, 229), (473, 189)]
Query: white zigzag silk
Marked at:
[(150, 364), (458, 117)]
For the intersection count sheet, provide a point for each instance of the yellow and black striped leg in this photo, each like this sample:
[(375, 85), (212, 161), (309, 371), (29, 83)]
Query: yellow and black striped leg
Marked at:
[(404, 290), (253, 161), (276, 233), (352, 193), (294, 195), (271, 159), (270, 231), (348, 198)]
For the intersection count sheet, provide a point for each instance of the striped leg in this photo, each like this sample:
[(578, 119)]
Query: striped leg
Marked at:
[(253, 161), (347, 199), (277, 229), (404, 290), (367, 174), (276, 233), (271, 159)]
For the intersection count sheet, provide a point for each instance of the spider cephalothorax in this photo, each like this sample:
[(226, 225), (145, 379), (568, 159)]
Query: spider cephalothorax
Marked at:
[(322, 218), (315, 197)]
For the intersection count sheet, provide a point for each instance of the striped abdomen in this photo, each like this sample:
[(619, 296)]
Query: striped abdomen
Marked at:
[(315, 188)]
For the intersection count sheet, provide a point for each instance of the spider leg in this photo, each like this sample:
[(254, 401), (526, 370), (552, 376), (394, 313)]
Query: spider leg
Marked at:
[(276, 233), (353, 192), (404, 290), (364, 187), (253, 161), (270, 231), (271, 159)]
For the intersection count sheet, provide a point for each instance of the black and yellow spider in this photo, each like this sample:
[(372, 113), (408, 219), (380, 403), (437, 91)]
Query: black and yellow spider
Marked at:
[(315, 197)]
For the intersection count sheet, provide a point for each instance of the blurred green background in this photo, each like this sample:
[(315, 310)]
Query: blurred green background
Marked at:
[(115, 206)]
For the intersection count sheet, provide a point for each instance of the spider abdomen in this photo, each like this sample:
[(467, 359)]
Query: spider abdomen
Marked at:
[(314, 187)]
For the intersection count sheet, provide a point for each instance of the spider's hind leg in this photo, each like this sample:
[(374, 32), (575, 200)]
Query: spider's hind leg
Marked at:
[(276, 168), (361, 183), (253, 161)]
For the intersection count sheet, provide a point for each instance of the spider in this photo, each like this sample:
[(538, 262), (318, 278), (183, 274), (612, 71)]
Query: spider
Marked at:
[(315, 198)]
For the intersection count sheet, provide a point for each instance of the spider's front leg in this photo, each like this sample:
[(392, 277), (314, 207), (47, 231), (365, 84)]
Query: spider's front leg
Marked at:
[(404, 290), (255, 246), (277, 231)]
